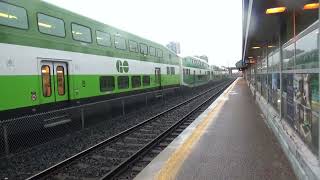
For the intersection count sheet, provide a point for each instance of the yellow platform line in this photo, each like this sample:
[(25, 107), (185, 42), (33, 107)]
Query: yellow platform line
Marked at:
[(174, 163)]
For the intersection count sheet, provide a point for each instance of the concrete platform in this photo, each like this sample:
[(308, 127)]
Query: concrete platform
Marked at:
[(230, 140)]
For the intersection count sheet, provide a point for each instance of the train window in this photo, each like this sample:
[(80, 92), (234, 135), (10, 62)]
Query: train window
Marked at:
[(60, 80), (51, 25), (146, 80), (159, 53), (103, 39), (172, 71), (133, 46), (81, 33), (106, 83), (120, 43), (143, 49), (168, 70), (136, 81), (46, 80), (13, 16), (123, 82), (152, 51)]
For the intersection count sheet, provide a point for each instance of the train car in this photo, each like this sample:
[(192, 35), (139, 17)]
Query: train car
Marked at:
[(195, 71), (51, 57), (217, 73)]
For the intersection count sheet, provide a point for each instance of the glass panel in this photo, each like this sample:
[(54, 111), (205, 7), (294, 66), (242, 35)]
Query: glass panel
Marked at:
[(152, 51), (306, 106), (275, 91), (46, 80), (13, 16), (159, 53), (276, 61), (264, 85), (270, 63), (106, 83), (51, 25), (123, 82), (264, 65), (307, 52), (143, 49), (133, 46), (136, 81), (173, 71), (168, 70), (81, 33), (103, 38), (288, 97), (288, 57), (120, 43), (146, 80), (60, 80)]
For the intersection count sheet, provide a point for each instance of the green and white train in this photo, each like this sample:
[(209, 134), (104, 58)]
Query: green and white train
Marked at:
[(196, 71), (51, 57)]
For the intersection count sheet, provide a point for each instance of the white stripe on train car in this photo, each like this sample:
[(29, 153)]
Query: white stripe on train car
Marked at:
[(25, 60)]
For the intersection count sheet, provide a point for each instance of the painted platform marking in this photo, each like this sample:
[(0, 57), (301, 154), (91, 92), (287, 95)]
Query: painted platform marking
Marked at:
[(174, 163)]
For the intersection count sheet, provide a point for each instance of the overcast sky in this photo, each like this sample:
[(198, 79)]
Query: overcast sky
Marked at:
[(207, 27)]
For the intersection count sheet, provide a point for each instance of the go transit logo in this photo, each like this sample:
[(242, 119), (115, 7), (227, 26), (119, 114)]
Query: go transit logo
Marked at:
[(122, 67)]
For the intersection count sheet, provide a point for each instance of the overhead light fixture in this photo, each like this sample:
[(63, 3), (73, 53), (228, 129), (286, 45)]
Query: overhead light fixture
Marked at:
[(275, 10), (311, 6), (270, 46), (256, 47), (250, 57)]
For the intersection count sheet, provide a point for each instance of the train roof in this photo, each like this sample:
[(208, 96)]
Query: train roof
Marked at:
[(34, 7), (190, 61), (77, 15)]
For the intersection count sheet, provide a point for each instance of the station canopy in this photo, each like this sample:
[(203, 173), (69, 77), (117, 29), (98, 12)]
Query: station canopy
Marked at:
[(262, 28)]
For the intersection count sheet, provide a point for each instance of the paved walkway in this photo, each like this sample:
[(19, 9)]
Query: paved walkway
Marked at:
[(237, 145)]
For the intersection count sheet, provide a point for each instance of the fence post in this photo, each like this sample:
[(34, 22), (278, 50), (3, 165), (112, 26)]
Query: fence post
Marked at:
[(182, 92), (6, 140), (82, 118), (123, 110)]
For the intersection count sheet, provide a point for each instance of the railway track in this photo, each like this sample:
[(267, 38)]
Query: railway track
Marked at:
[(120, 155)]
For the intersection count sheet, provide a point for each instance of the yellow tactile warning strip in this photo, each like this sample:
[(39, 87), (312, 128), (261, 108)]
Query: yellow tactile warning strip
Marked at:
[(173, 164)]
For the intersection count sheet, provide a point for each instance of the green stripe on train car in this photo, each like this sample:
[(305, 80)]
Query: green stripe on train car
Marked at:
[(18, 90)]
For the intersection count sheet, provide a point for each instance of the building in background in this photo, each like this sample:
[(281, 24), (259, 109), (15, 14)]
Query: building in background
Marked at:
[(174, 46)]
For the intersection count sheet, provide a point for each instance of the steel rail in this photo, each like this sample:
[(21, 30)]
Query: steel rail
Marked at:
[(111, 174), (83, 153)]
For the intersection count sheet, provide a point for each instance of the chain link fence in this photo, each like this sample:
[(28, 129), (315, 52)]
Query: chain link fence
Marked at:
[(21, 133)]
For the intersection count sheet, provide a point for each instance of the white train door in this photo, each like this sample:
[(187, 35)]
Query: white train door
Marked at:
[(157, 73)]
